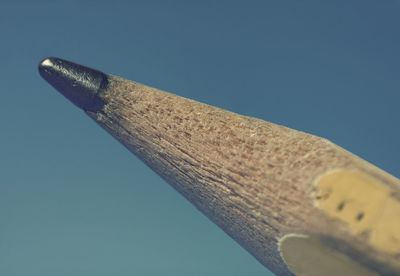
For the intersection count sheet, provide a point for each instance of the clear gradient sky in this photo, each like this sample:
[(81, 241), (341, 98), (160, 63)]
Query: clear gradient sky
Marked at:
[(74, 202)]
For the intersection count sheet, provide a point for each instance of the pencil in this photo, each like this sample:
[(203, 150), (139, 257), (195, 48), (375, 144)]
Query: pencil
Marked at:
[(300, 204)]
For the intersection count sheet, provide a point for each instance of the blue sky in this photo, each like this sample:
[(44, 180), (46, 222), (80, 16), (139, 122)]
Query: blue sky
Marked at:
[(73, 201)]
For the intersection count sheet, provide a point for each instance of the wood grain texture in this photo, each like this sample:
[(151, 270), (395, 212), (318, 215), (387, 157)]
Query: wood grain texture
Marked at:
[(253, 178)]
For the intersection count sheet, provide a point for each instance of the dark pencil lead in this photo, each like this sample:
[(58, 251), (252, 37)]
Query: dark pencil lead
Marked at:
[(79, 84)]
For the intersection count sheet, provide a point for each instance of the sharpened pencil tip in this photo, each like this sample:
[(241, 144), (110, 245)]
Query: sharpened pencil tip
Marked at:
[(79, 84)]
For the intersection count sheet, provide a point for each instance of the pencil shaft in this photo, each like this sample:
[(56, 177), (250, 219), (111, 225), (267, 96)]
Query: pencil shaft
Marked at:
[(251, 177)]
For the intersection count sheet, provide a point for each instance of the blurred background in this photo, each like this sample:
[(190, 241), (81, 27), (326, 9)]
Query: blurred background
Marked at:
[(73, 201)]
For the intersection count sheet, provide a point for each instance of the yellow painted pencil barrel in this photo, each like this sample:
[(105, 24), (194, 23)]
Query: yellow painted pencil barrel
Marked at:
[(297, 202)]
